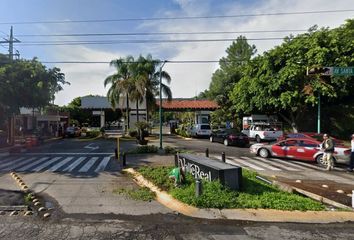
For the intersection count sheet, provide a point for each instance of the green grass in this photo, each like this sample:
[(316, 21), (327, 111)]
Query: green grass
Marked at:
[(254, 193), (142, 194), (28, 199)]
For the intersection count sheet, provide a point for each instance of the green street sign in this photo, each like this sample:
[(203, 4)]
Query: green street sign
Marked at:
[(343, 71)]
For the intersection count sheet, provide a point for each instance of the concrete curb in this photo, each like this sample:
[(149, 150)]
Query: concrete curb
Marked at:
[(52, 139), (257, 215)]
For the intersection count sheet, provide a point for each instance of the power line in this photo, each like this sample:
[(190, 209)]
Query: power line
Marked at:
[(108, 62), (178, 18), (133, 41), (158, 33)]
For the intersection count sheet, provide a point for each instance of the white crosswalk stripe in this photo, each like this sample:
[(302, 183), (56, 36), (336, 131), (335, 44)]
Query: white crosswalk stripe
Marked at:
[(245, 163), (55, 163), (88, 165), (60, 164), (18, 164), (29, 166), (73, 165), (45, 164), (265, 165), (261, 164), (102, 164), (284, 163), (11, 162)]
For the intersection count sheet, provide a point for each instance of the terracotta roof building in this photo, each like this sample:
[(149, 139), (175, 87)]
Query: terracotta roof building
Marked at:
[(188, 104)]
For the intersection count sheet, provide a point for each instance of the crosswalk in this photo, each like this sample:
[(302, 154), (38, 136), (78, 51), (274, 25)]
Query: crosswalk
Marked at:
[(271, 164), (56, 163)]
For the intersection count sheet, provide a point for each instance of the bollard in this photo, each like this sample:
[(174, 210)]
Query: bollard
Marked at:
[(198, 187), (207, 152), (116, 153), (352, 198), (223, 157), (124, 159)]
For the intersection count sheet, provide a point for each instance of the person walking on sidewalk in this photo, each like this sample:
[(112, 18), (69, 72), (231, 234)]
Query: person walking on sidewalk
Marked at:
[(351, 163), (328, 148)]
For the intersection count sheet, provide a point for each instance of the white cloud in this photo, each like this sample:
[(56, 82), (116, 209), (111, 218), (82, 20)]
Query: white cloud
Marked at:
[(84, 78), (188, 79)]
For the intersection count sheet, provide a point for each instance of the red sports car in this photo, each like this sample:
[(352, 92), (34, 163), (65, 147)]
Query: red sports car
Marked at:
[(301, 149), (311, 135)]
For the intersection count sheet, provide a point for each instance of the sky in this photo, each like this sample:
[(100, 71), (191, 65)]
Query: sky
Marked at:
[(188, 79)]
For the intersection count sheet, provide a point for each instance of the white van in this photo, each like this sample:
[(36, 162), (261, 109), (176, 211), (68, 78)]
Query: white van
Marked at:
[(200, 130)]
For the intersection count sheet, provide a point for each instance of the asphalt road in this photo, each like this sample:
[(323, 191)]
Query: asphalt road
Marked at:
[(87, 209)]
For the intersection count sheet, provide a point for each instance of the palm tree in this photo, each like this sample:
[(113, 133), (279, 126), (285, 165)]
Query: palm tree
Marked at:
[(153, 85), (121, 83)]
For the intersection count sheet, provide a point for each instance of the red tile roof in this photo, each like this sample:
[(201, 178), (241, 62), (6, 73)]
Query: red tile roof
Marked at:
[(184, 104)]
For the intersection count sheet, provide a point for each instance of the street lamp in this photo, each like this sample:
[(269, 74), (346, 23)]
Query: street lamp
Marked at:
[(160, 105)]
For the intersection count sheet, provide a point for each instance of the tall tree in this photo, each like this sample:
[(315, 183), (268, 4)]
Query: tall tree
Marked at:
[(120, 82), (28, 83), (230, 72), (277, 81)]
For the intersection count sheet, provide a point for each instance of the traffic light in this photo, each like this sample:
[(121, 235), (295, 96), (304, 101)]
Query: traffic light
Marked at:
[(324, 71)]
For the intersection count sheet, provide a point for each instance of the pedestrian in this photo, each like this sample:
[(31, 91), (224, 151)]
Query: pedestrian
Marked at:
[(328, 148), (351, 163)]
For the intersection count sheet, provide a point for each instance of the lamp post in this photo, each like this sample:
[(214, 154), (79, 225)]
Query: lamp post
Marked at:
[(160, 105)]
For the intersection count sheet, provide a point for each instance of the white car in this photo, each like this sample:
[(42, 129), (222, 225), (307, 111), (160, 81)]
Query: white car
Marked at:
[(200, 130)]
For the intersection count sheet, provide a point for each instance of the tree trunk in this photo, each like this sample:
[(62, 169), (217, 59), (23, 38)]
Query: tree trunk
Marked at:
[(137, 111), (127, 112), (290, 121)]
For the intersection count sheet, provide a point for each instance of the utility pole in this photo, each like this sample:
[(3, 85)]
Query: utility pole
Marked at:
[(11, 42)]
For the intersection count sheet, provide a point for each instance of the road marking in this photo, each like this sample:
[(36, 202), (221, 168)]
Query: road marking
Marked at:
[(309, 165), (76, 153), (26, 167), (12, 162), (88, 165), (45, 164), (102, 164), (285, 162), (266, 165), (60, 164), (17, 164), (74, 164), (91, 147), (246, 163)]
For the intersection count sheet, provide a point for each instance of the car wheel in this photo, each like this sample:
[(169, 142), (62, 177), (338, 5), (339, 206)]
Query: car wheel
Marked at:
[(320, 161), (258, 139), (226, 142), (264, 153), (211, 139)]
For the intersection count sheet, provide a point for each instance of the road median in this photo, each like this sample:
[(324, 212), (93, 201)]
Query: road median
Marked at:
[(261, 215)]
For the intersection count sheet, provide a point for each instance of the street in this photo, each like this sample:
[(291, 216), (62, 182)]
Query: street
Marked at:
[(77, 180)]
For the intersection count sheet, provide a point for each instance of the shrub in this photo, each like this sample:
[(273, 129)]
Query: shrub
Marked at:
[(133, 132), (170, 150), (92, 134), (254, 194), (144, 149)]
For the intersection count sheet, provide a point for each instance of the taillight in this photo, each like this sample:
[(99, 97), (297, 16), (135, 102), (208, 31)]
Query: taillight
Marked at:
[(347, 152)]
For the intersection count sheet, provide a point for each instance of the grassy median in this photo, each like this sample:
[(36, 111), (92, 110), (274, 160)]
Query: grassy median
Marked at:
[(254, 193)]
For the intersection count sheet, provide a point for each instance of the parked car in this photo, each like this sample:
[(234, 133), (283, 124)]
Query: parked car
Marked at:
[(200, 130), (264, 131), (72, 132), (311, 135), (300, 149), (229, 137)]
